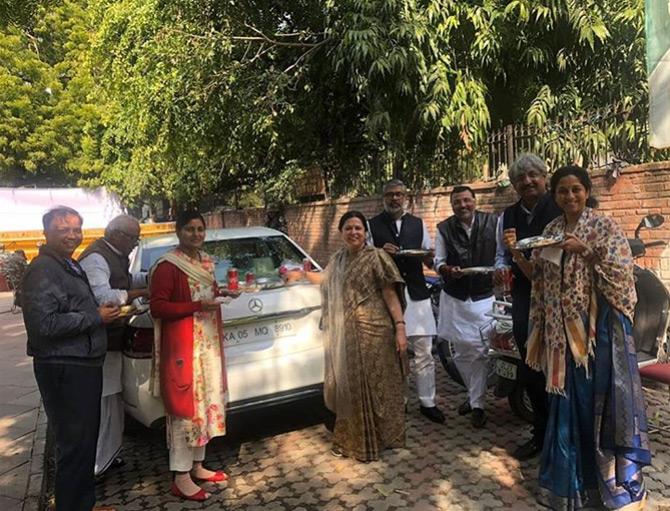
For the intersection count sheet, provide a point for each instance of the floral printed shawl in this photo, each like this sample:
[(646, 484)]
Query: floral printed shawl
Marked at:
[(203, 275), (564, 306)]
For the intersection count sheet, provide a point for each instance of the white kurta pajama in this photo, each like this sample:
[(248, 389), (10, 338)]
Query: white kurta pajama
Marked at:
[(110, 436), (460, 322), (420, 329)]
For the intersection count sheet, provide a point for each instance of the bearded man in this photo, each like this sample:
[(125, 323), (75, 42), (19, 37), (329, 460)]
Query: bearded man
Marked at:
[(466, 239), (395, 230)]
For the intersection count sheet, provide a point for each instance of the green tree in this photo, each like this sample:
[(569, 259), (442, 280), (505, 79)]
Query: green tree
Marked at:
[(218, 95), (183, 98), (19, 12), (50, 118)]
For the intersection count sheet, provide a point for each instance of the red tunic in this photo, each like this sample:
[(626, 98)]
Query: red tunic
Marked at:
[(171, 302)]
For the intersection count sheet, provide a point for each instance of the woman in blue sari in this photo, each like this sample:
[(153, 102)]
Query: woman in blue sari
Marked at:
[(580, 335)]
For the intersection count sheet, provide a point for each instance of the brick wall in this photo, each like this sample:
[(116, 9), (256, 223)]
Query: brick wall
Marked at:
[(640, 190)]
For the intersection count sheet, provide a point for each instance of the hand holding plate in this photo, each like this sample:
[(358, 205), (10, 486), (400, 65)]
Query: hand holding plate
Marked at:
[(509, 238), (390, 248), (108, 312), (455, 272), (574, 245), (210, 305), (230, 292)]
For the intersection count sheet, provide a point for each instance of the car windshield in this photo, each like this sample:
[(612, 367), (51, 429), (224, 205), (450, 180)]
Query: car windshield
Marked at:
[(261, 255)]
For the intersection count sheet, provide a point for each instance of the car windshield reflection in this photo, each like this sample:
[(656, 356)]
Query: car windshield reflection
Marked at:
[(262, 256)]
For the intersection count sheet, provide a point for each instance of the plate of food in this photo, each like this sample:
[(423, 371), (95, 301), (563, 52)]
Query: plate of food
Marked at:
[(473, 270), (127, 310), (539, 242), (413, 252)]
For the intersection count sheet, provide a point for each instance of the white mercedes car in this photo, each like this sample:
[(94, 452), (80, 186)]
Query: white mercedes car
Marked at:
[(273, 344)]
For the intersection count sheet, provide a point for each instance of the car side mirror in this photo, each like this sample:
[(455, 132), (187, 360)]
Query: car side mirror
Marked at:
[(651, 221)]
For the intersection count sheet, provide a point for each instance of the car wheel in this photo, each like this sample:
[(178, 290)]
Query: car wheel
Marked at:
[(520, 404)]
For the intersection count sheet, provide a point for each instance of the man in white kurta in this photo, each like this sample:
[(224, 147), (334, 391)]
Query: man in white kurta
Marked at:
[(396, 231), (106, 264), (464, 241)]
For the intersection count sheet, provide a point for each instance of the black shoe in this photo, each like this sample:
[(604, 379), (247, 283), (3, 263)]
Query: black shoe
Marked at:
[(118, 462), (433, 413), (528, 450), (478, 418), (465, 408)]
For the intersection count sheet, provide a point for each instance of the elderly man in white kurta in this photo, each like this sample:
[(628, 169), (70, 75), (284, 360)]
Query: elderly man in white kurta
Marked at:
[(105, 262), (466, 240), (396, 231)]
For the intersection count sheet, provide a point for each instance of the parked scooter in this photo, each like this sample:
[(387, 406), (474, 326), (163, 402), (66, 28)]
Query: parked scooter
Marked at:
[(652, 319), (650, 327)]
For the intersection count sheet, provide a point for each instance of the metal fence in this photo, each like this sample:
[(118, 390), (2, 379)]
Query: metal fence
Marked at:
[(605, 138), (597, 139)]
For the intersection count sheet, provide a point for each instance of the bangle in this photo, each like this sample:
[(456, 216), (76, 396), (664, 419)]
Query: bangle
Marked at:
[(400, 323)]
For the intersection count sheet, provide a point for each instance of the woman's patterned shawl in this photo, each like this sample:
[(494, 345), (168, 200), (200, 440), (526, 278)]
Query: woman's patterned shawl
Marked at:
[(564, 306)]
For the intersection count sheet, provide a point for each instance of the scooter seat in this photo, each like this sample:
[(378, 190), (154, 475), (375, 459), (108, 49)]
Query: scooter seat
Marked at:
[(657, 372)]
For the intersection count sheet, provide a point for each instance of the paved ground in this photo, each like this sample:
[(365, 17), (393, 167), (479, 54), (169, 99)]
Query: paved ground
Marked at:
[(22, 424), (281, 461)]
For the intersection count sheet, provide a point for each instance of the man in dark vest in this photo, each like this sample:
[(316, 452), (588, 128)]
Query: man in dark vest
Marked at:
[(467, 240), (394, 230), (528, 217), (105, 262)]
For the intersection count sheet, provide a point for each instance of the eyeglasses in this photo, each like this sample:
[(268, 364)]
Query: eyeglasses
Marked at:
[(394, 194), (130, 237)]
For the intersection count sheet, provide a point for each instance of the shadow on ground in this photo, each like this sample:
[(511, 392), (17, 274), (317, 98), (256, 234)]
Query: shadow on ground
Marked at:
[(280, 460)]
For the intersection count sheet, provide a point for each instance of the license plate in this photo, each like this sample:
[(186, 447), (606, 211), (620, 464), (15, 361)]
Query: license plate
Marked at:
[(257, 332), (505, 369)]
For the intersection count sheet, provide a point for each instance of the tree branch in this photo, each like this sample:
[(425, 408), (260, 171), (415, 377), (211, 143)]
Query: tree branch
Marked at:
[(261, 37), (274, 42)]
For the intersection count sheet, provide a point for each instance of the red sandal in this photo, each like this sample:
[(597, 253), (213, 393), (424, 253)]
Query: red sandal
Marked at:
[(218, 477), (198, 496)]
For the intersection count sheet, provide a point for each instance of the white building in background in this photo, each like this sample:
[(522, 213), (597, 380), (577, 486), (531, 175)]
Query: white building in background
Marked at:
[(21, 209)]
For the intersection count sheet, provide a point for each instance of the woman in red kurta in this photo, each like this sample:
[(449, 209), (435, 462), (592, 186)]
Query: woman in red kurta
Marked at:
[(189, 365)]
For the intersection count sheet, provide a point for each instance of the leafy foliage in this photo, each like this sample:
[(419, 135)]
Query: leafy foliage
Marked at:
[(49, 120), (184, 99), (19, 12)]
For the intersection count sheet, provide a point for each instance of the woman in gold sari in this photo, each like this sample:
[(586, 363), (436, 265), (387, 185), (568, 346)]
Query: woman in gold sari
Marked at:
[(365, 344)]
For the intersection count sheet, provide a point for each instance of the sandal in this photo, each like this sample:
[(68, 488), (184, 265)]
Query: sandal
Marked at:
[(198, 496), (218, 477)]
